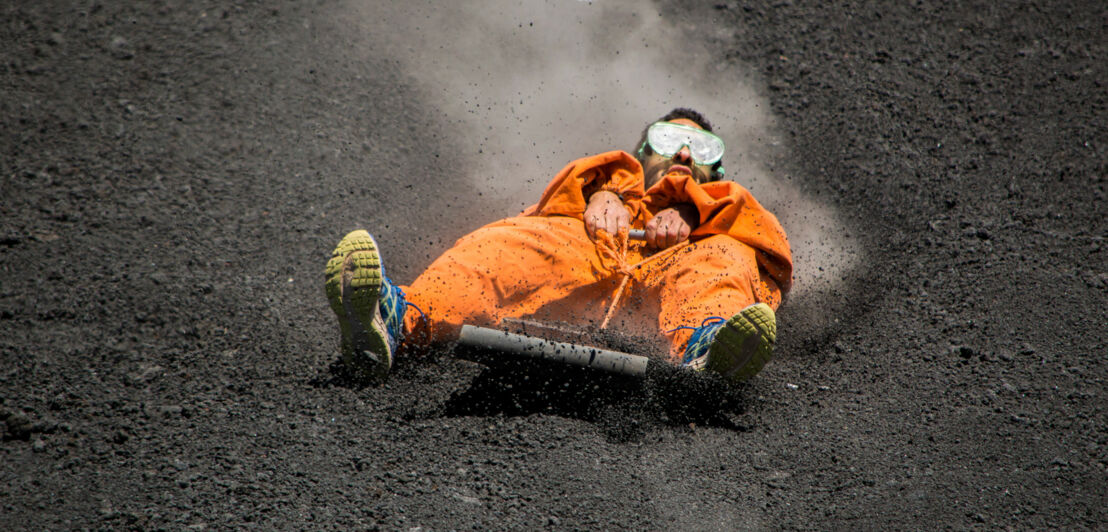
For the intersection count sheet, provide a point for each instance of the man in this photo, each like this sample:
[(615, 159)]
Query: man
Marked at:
[(710, 251)]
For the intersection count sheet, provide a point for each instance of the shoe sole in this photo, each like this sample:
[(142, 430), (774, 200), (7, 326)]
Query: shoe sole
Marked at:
[(353, 286), (744, 345)]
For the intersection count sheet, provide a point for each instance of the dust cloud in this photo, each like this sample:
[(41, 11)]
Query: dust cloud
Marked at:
[(532, 85)]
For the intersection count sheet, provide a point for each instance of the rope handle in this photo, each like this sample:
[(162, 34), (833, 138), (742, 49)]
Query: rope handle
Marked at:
[(620, 254)]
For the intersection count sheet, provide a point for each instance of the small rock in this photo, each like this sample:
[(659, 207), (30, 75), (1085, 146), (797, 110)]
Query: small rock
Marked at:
[(19, 427), (38, 445), (35, 69), (1097, 281), (145, 373), (1027, 349), (1004, 355), (120, 437), (179, 465), (121, 49), (776, 479), (468, 500)]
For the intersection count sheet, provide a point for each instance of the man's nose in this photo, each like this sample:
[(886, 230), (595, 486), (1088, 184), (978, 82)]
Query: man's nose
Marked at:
[(683, 156)]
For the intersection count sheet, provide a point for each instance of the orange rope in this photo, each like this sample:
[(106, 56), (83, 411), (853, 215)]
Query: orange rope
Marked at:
[(614, 247), (615, 301)]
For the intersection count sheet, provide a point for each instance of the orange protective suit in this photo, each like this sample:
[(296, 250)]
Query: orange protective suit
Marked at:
[(542, 265)]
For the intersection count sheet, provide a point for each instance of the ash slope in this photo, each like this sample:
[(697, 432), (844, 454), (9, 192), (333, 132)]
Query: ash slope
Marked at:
[(173, 178)]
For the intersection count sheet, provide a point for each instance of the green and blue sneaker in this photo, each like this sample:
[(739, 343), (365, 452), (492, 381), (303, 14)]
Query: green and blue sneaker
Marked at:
[(369, 306), (737, 348)]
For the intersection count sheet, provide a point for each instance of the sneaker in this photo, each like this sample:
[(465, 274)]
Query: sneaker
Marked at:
[(369, 306), (736, 348)]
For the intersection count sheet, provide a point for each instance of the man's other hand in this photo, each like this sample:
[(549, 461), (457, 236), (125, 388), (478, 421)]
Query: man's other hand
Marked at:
[(605, 211), (672, 226)]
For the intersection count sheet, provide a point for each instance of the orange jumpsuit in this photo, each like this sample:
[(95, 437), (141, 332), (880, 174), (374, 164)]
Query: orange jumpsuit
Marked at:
[(542, 265)]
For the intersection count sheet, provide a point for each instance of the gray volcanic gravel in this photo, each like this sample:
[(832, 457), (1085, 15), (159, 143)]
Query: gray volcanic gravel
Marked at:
[(174, 175)]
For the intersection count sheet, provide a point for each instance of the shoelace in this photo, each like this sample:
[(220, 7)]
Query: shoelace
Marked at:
[(711, 320), (394, 292), (693, 345)]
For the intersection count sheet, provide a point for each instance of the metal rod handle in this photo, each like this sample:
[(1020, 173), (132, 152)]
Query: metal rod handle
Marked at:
[(578, 355)]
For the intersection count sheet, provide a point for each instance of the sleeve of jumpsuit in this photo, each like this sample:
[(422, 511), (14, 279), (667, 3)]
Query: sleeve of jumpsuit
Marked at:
[(568, 193), (728, 208)]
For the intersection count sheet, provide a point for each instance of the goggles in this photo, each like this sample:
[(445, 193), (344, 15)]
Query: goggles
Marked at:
[(667, 138)]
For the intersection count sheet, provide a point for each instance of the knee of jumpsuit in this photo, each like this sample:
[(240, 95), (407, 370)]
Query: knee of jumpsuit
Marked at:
[(715, 276), (509, 268)]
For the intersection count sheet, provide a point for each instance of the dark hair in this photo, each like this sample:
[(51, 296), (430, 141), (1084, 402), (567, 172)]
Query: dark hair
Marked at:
[(643, 148), (689, 114)]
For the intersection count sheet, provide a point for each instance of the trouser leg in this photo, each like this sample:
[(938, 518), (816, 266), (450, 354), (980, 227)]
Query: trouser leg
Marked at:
[(716, 276), (541, 267)]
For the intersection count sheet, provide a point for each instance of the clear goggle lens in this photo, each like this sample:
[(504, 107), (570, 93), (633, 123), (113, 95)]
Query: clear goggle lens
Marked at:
[(667, 138)]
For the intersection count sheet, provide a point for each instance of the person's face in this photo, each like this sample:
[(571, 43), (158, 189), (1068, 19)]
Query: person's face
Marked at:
[(655, 166)]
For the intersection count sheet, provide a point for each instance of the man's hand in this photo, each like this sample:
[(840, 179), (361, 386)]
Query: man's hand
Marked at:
[(672, 226), (605, 211)]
